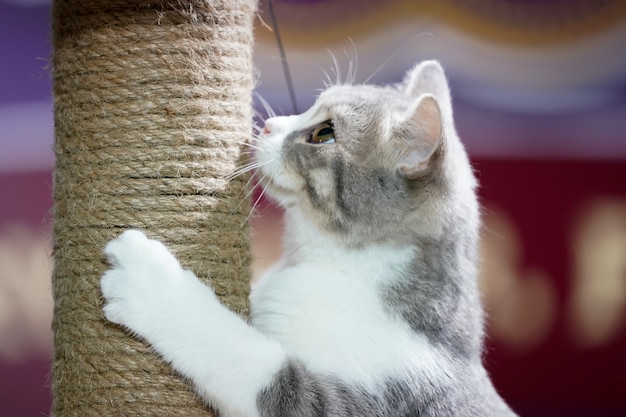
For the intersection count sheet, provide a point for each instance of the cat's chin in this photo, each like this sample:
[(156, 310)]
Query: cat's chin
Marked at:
[(284, 197)]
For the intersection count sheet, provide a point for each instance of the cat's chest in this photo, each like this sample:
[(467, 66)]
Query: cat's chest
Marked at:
[(336, 322), (298, 303)]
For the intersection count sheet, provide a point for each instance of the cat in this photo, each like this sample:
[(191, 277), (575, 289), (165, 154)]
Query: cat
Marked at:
[(373, 308)]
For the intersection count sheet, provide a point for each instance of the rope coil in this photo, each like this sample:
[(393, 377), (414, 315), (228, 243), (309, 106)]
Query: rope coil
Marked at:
[(151, 100)]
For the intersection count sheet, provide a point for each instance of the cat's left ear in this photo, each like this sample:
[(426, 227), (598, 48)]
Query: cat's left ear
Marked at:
[(423, 130), (428, 77)]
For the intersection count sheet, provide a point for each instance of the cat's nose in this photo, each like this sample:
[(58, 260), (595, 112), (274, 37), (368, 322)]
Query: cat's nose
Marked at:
[(270, 125), (278, 124)]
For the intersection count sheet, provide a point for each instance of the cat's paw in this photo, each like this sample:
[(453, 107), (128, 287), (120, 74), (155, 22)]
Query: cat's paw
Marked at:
[(143, 277), (132, 250)]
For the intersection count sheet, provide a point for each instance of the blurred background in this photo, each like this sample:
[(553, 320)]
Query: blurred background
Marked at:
[(539, 88)]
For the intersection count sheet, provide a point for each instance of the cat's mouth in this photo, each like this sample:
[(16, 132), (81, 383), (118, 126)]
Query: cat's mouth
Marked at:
[(271, 188), (271, 174)]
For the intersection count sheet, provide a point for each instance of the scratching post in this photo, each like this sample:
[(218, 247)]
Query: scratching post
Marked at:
[(151, 99)]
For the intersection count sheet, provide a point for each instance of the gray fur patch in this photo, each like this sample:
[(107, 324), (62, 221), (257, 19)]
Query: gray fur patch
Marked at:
[(296, 392), (436, 298)]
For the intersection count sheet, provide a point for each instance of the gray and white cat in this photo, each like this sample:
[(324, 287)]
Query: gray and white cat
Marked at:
[(373, 308)]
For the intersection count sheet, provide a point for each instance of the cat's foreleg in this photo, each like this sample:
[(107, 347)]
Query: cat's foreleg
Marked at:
[(147, 291)]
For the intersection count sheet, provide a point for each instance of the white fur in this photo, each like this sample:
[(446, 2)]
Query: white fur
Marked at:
[(323, 303), (327, 314), (147, 291)]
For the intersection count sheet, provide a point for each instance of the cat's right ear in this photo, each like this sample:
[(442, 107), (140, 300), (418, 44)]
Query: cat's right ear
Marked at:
[(423, 136), (428, 77)]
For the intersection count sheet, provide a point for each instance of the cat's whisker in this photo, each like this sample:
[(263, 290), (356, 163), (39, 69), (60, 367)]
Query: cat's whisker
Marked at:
[(245, 198), (266, 106), (256, 139), (336, 69), (249, 186), (240, 171), (352, 61), (256, 202), (243, 133), (356, 62), (240, 142), (254, 165), (327, 81), (257, 114), (255, 126), (349, 71), (249, 182), (251, 189), (257, 133), (244, 169), (380, 68), (395, 54), (252, 145)]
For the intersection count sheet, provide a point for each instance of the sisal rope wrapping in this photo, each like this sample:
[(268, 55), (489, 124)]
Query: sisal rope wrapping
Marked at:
[(151, 99)]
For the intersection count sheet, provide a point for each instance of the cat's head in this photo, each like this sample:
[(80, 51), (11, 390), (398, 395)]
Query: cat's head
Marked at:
[(368, 162)]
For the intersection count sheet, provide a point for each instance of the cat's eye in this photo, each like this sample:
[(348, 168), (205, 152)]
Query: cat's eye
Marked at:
[(322, 134)]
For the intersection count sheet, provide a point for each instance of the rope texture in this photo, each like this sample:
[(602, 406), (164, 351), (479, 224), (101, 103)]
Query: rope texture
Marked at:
[(151, 102)]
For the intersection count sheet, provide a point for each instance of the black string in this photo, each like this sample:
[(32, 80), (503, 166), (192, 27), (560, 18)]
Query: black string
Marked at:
[(286, 71)]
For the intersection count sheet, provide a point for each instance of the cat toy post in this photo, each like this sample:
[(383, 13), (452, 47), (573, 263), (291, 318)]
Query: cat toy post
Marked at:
[(151, 99)]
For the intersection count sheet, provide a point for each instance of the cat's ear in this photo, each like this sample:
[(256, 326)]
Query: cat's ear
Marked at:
[(428, 77), (422, 124)]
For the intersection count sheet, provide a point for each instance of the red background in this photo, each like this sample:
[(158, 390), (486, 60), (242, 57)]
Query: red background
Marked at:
[(542, 197)]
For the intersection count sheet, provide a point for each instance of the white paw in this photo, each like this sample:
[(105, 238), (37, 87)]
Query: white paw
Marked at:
[(143, 278)]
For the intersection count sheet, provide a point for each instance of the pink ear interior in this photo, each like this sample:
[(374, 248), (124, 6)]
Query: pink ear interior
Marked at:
[(424, 123)]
